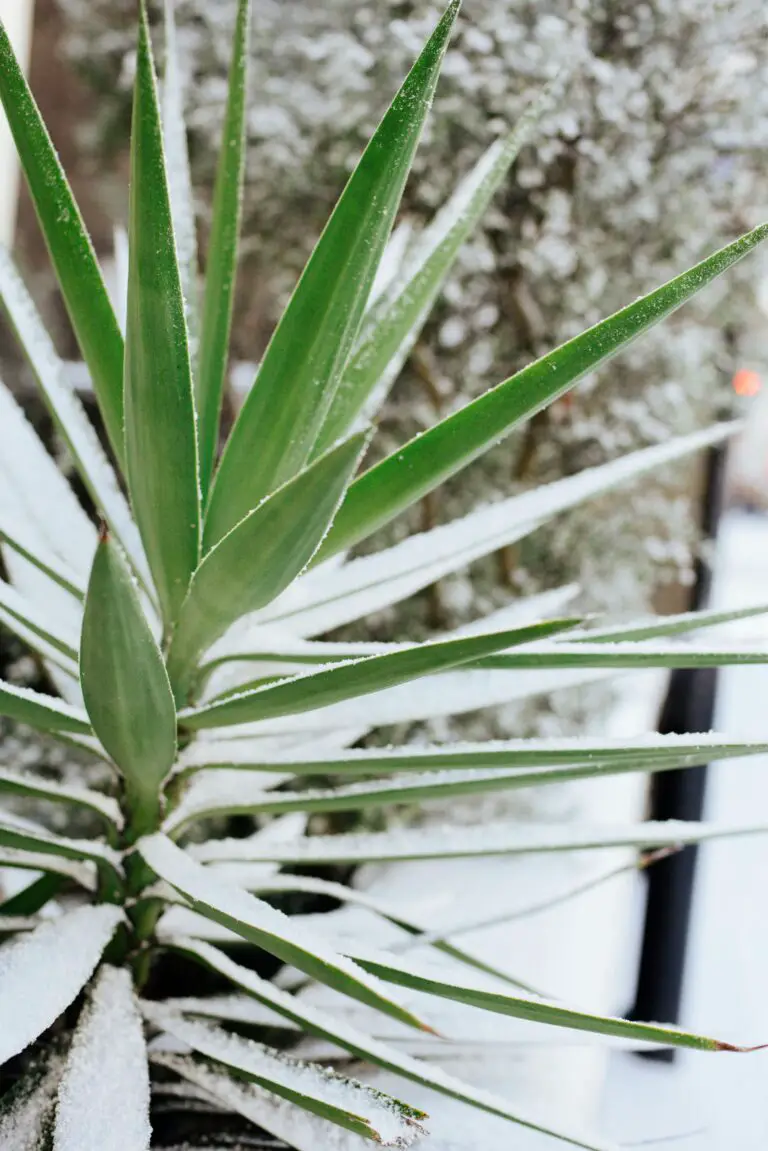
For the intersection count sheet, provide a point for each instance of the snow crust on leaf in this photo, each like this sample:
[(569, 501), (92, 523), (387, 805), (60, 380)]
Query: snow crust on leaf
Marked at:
[(310, 1084), (42, 973), (104, 1093)]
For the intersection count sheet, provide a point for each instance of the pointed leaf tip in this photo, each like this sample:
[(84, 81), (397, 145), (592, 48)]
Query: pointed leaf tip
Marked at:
[(302, 367)]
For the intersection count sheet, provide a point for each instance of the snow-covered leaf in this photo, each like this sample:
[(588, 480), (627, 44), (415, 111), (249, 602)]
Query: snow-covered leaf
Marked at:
[(344, 1102), (464, 843), (44, 712), (373, 582), (69, 415), (36, 492), (17, 536), (81, 873), (35, 629), (679, 750), (103, 805), (104, 1094), (333, 1028), (634, 654), (306, 693), (658, 626), (70, 247), (41, 973), (24, 835), (218, 793), (261, 924), (431, 458)]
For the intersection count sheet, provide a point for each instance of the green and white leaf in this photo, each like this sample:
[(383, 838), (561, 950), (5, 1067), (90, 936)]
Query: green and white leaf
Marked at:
[(81, 873), (41, 973), (69, 416), (361, 1045), (521, 754), (261, 924), (26, 836), (103, 1102), (441, 978), (373, 582), (489, 840), (360, 677), (218, 793), (345, 1102), (28, 785), (38, 630), (44, 712), (439, 453)]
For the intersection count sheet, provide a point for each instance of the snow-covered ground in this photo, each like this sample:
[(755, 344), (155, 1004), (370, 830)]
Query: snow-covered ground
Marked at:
[(717, 1102)]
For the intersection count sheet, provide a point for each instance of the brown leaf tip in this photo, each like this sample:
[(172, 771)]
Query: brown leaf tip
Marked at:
[(103, 531), (719, 1046)]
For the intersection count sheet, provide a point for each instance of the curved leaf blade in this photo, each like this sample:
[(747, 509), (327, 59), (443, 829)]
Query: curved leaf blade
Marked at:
[(425, 462), (69, 245), (302, 366), (359, 677), (41, 973), (103, 1102), (44, 712), (222, 252), (257, 560), (27, 785), (467, 843), (372, 582), (125, 685), (160, 435), (261, 924), (522, 754), (219, 793), (361, 1045), (343, 1101), (446, 983)]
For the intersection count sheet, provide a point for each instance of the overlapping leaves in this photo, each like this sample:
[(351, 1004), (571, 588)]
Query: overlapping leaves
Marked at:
[(181, 643)]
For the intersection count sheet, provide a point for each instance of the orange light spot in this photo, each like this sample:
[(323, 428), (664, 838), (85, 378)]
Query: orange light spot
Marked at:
[(746, 382)]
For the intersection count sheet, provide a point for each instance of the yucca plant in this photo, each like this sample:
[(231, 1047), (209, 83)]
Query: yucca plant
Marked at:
[(181, 638)]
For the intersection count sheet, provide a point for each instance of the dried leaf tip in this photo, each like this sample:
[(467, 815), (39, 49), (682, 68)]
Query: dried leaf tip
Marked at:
[(103, 531)]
